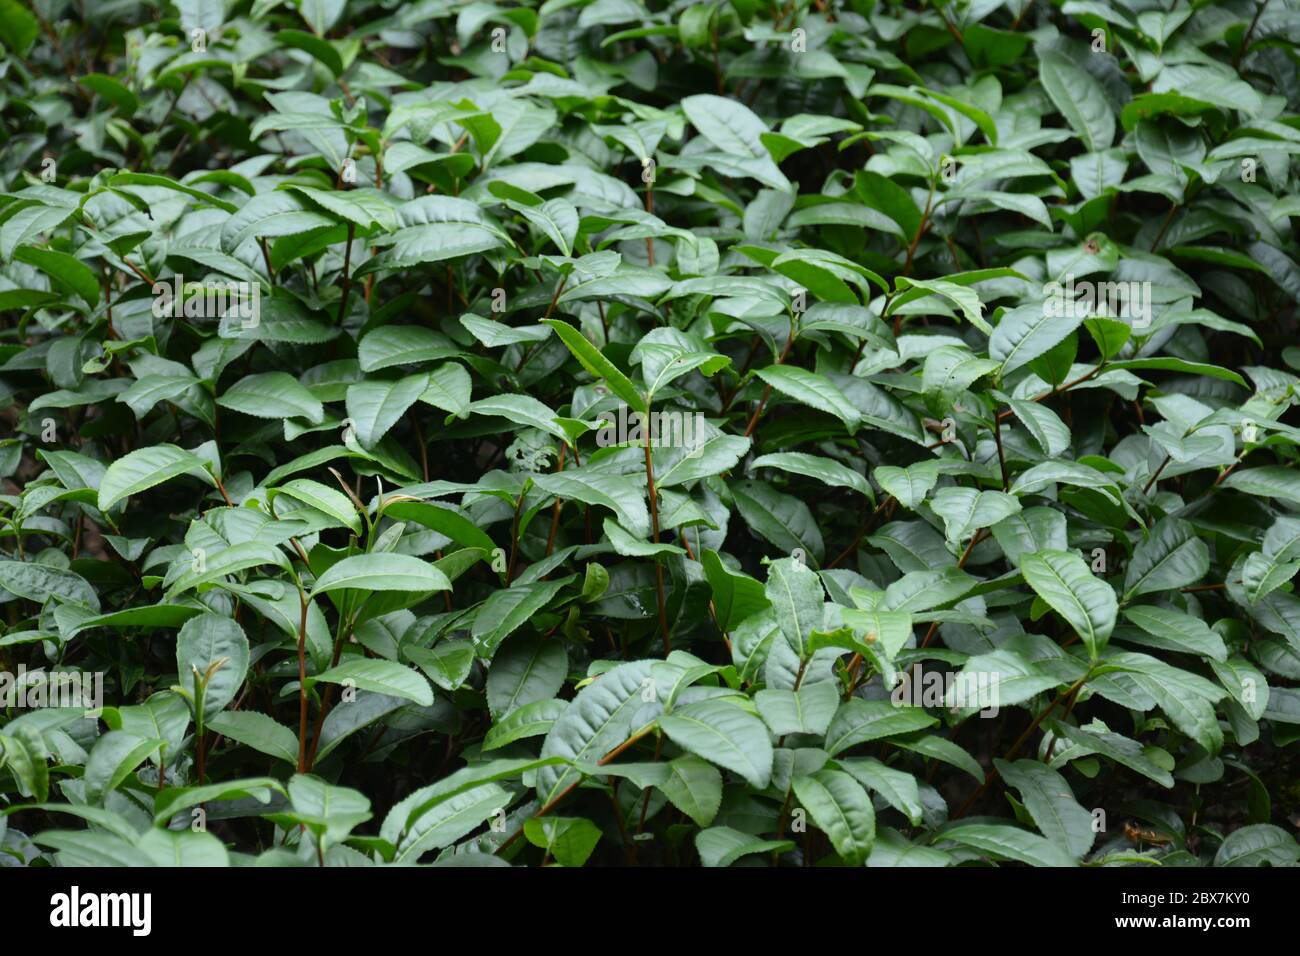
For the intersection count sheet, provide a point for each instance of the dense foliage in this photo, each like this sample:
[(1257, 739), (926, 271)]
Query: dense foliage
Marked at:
[(628, 432)]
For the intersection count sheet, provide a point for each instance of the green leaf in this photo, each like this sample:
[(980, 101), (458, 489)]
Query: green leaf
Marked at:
[(258, 731), (859, 721), (965, 510), (143, 469), (1176, 631), (69, 272), (329, 812), (966, 299), (232, 560), (570, 840), (442, 519), (1050, 802), (1187, 699), (25, 759), (522, 410), (557, 219), (447, 820), (1050, 433), (1170, 557), (113, 758), (324, 499), (594, 362), (530, 720), (735, 130), (1269, 481), (41, 584), (680, 464), (795, 593), (1129, 753), (1258, 845), (723, 846), (1080, 99), (428, 242), (20, 28), (909, 485), (524, 671), (1167, 364), (723, 734), (447, 665), (898, 788), (596, 721), (394, 345), (382, 572), (631, 546), (842, 810), (269, 215), (375, 407), (212, 643), (806, 711), (507, 610), (1087, 603), (364, 207), (825, 470), (449, 389), (88, 848), (188, 848), (1033, 529), (941, 749), (382, 677), (1008, 843), (694, 787), (620, 494), (1026, 332), (736, 597), (950, 370), (809, 388), (782, 520)]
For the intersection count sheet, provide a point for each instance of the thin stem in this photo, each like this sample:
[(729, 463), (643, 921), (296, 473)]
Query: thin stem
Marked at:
[(1245, 39), (1007, 413), (514, 541), (713, 610), (654, 524), (629, 851), (1164, 226), (327, 699), (1203, 587), (424, 451), (1015, 24), (555, 509), (347, 275), (866, 526), (650, 208), (136, 269), (976, 538), (222, 488), (266, 257), (1227, 471), (1155, 474), (302, 683), (523, 359), (767, 392), (1002, 461), (762, 402), (907, 265), (992, 775), (555, 801), (645, 803)]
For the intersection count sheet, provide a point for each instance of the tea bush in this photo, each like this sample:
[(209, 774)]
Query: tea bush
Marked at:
[(625, 432)]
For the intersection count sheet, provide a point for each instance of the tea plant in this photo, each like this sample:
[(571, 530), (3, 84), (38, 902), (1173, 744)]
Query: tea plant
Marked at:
[(621, 432)]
